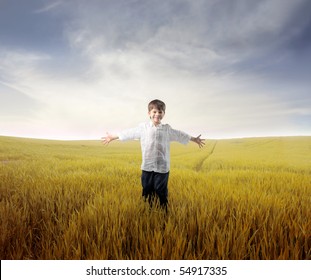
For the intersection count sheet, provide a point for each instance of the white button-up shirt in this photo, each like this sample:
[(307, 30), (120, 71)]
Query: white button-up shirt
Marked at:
[(155, 144)]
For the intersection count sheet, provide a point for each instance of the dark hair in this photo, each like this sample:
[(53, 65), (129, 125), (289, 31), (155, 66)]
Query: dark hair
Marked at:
[(158, 104)]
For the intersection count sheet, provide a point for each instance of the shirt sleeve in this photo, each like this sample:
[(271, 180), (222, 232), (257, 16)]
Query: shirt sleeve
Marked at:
[(130, 134), (179, 136)]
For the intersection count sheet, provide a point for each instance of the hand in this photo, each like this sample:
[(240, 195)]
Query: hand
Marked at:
[(106, 140), (198, 140)]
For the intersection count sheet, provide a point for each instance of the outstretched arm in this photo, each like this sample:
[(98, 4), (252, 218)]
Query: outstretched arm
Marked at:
[(198, 140), (106, 140)]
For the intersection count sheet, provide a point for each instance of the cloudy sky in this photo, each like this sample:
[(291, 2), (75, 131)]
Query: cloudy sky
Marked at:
[(74, 69)]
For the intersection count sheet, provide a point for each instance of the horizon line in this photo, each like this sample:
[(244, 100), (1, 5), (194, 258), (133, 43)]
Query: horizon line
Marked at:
[(99, 139)]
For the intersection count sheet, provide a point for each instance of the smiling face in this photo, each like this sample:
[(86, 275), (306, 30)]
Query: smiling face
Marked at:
[(156, 116)]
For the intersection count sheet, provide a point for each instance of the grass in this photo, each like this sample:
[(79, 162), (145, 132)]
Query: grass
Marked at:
[(233, 199)]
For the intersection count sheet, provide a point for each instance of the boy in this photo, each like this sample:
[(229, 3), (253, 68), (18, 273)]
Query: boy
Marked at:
[(155, 139)]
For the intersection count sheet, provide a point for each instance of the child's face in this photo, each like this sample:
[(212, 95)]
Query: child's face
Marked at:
[(156, 116)]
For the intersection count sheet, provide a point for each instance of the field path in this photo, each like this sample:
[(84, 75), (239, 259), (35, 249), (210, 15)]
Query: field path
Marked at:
[(199, 165)]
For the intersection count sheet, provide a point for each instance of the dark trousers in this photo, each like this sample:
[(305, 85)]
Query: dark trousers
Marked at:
[(155, 185)]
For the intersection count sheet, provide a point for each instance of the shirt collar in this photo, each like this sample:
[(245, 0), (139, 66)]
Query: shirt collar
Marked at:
[(152, 125)]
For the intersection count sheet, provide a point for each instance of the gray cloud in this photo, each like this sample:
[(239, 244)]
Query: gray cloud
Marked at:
[(48, 7), (215, 37)]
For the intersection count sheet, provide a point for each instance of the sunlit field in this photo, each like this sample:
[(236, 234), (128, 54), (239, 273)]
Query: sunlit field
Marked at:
[(234, 199)]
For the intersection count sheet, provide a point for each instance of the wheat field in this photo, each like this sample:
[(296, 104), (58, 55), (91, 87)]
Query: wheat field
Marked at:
[(234, 199)]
